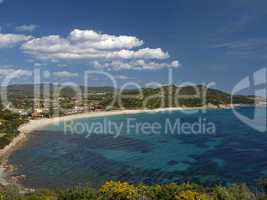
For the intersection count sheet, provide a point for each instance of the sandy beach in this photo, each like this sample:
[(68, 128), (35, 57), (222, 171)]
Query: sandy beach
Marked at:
[(34, 125), (41, 123)]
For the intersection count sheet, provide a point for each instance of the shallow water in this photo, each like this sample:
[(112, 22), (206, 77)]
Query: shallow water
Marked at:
[(235, 153)]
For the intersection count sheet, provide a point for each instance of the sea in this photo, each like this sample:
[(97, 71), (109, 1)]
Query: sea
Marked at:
[(209, 147)]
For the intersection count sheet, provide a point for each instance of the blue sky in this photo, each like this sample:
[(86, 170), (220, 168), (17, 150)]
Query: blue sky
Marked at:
[(201, 41)]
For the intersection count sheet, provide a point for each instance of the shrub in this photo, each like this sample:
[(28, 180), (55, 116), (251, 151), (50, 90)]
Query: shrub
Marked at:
[(118, 191), (40, 195), (242, 192), (222, 193), (191, 195), (124, 191), (234, 192), (77, 193)]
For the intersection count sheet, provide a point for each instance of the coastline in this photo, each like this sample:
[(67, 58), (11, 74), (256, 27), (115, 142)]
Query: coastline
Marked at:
[(26, 129), (33, 125)]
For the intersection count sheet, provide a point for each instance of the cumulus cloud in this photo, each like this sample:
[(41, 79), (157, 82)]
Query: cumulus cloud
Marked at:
[(94, 47), (90, 38), (26, 28), (65, 74), (9, 40)]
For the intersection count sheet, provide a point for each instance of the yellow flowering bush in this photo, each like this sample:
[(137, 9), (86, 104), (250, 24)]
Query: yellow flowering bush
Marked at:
[(118, 191), (125, 191), (191, 195)]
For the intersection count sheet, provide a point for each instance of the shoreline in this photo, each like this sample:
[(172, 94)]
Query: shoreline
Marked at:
[(33, 125)]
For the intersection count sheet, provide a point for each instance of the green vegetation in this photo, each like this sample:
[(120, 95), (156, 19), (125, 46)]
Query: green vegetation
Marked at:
[(125, 191), (165, 96), (9, 123), (102, 98), (173, 96)]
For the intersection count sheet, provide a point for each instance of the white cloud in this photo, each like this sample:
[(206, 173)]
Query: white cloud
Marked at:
[(90, 38), (39, 64), (9, 40), (17, 73), (91, 47), (76, 47), (137, 65), (26, 28), (65, 74)]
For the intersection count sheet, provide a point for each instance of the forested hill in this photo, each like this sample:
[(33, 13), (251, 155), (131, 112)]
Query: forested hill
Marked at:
[(188, 96), (165, 96)]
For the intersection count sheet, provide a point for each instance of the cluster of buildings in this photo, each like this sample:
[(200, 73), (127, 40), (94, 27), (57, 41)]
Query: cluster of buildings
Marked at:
[(47, 110)]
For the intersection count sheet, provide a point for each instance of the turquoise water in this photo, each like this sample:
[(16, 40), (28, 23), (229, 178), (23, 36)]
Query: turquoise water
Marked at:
[(55, 158)]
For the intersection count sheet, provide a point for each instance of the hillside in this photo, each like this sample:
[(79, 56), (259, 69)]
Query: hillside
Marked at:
[(188, 96), (166, 96)]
